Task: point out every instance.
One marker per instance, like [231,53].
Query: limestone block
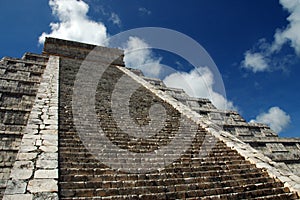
[42,185]
[46,196]
[23,165]
[51,132]
[38,142]
[27,142]
[46,164]
[27,148]
[26,156]
[48,156]
[18,197]
[50,149]
[21,174]
[50,142]
[15,187]
[46,173]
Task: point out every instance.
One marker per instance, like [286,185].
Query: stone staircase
[205,162]
[19,81]
[222,174]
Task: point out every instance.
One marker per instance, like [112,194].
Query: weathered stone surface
[50,142]
[26,156]
[48,156]
[15,187]
[46,164]
[38,143]
[45,196]
[18,197]
[28,148]
[42,185]
[46,174]
[21,174]
[23,165]
[49,149]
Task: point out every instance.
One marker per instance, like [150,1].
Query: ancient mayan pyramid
[44,157]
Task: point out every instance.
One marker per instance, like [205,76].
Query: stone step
[28,80]
[163,178]
[20,108]
[196,166]
[288,195]
[86,158]
[183,191]
[79,148]
[19,91]
[66,152]
[199,182]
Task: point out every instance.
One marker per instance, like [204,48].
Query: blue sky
[254,43]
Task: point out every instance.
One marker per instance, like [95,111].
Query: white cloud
[139,56]
[115,19]
[276,118]
[265,57]
[144,11]
[74,23]
[255,62]
[291,33]
[199,83]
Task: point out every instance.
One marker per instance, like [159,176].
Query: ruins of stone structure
[43,156]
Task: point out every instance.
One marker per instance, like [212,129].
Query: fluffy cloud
[263,59]
[139,56]
[199,83]
[74,23]
[291,33]
[276,118]
[255,62]
[115,19]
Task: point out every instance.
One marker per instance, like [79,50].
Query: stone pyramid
[77,124]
